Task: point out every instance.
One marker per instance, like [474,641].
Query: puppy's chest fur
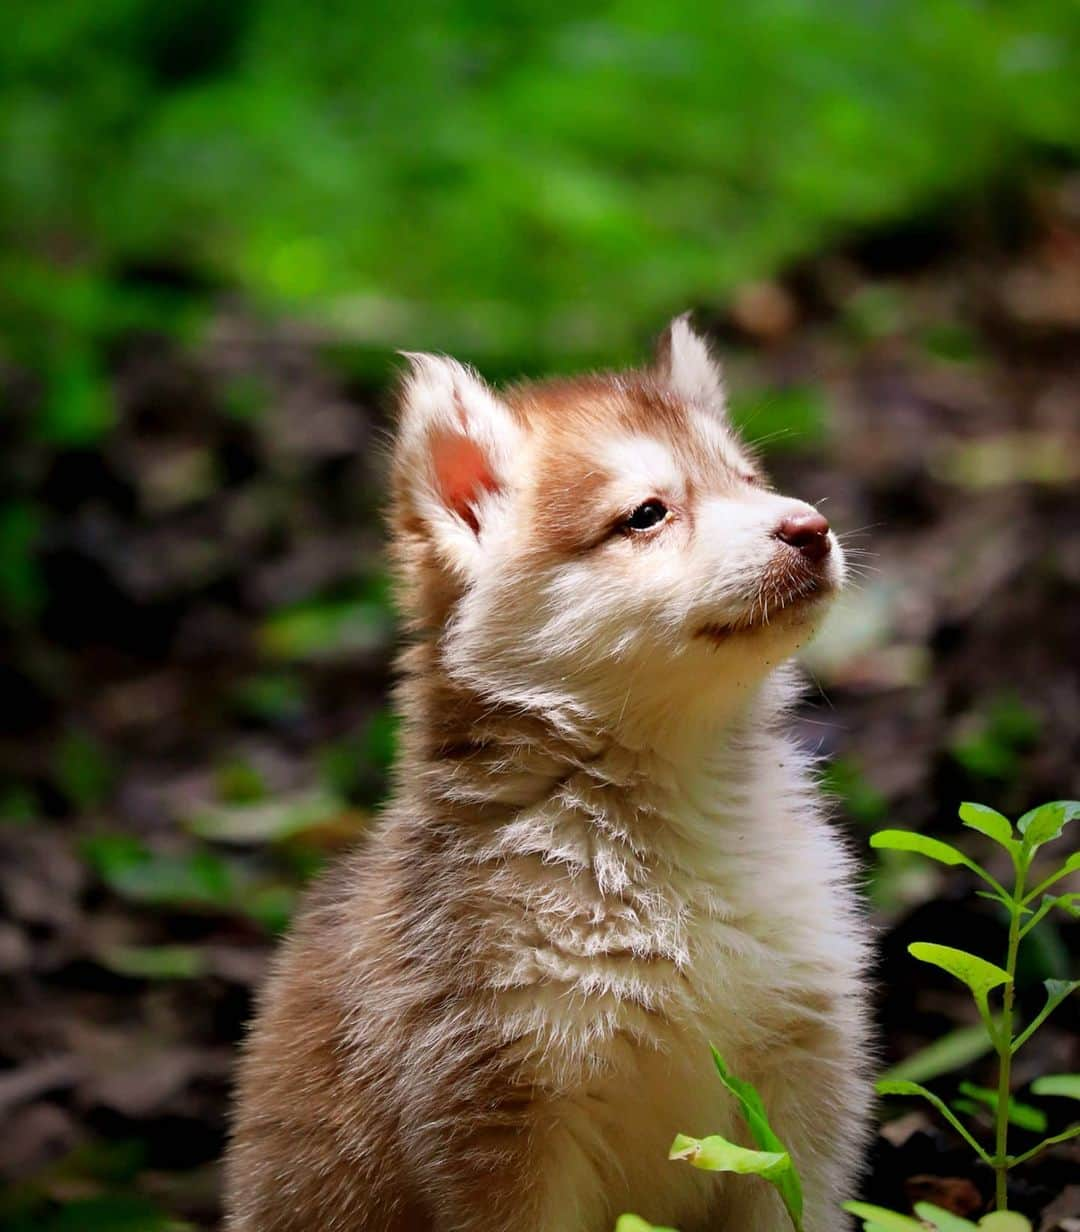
[627,922]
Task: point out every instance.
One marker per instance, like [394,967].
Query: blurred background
[218,221]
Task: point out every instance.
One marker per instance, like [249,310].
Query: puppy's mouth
[777,601]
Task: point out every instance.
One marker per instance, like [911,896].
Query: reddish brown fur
[572,511]
[382,1089]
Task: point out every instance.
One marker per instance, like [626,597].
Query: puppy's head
[603,548]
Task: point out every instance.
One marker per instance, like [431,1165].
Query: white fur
[691,371]
[441,394]
[692,906]
[680,887]
[627,858]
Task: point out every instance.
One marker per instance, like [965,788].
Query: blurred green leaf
[100,1214]
[951,1051]
[155,962]
[239,782]
[197,878]
[777,420]
[989,744]
[272,820]
[326,630]
[270,696]
[21,587]
[381,739]
[78,409]
[1023,1116]
[82,769]
[1063,1086]
[245,398]
[952,341]
[18,806]
[271,906]
[246,147]
[862,800]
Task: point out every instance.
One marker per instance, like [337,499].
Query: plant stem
[1004,1047]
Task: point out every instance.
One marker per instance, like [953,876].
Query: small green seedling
[770,1161]
[1025,908]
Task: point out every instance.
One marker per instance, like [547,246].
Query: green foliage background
[534,185]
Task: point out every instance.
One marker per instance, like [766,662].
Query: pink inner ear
[462,473]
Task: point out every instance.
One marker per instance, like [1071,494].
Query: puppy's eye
[652,513]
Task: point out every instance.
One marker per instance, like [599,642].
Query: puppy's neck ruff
[461,743]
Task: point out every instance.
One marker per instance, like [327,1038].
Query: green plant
[772,1161]
[1025,907]
[879,1219]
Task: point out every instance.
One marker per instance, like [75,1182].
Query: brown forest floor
[197,716]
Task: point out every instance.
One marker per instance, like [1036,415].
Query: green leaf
[1065,1086]
[634,1223]
[934,849]
[83,770]
[978,974]
[967,1106]
[877,1217]
[763,1134]
[942,1220]
[1023,1116]
[1004,1221]
[908,840]
[952,1051]
[782,418]
[988,821]
[22,589]
[717,1154]
[327,630]
[264,821]
[197,878]
[111,1213]
[753,1107]
[1045,823]
[155,962]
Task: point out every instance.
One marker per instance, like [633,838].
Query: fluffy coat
[602,850]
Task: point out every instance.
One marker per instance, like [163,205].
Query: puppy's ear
[455,445]
[686,366]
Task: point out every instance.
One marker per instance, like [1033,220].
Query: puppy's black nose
[809,532]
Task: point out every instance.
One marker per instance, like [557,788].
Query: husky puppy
[602,850]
